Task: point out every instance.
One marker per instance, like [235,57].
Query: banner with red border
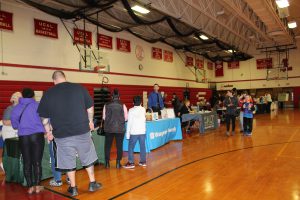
[79,37]
[156,53]
[168,56]
[45,28]
[264,63]
[105,41]
[6,20]
[123,45]
[233,65]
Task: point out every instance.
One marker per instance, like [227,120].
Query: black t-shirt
[184,110]
[66,105]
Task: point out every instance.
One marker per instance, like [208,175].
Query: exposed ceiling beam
[246,14]
[202,15]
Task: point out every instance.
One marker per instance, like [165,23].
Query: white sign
[162,133]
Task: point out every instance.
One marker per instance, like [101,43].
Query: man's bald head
[58,77]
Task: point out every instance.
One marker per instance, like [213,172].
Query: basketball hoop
[100,69]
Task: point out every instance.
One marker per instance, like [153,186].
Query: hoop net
[100,69]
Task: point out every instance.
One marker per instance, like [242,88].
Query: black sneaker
[94,186]
[73,191]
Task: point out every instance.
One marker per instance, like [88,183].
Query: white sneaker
[143,164]
[54,183]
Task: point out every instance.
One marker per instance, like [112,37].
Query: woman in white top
[7,129]
[136,131]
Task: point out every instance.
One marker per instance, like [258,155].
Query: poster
[219,70]
[199,63]
[168,56]
[104,41]
[210,65]
[123,45]
[45,28]
[79,37]
[156,53]
[264,63]
[6,20]
[234,65]
[189,61]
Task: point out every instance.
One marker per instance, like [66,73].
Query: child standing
[248,108]
[241,102]
[136,131]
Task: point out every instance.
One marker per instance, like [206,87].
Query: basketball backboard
[200,75]
[277,73]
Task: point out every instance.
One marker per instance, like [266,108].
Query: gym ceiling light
[140,9]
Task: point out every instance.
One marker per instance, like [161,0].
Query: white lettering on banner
[162,133]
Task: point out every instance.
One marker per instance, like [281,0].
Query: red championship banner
[156,53]
[168,56]
[219,70]
[265,63]
[6,20]
[44,28]
[123,45]
[199,63]
[210,65]
[189,61]
[79,36]
[233,65]
[104,41]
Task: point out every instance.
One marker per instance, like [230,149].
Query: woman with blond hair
[7,129]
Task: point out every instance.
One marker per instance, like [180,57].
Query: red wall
[126,91]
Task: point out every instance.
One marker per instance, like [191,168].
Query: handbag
[100,130]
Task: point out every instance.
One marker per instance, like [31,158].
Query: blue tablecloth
[158,133]
[208,121]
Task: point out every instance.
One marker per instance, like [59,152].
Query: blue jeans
[132,141]
[56,174]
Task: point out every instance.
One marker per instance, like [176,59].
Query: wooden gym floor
[211,166]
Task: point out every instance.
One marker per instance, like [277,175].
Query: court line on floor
[285,145]
[284,156]
[59,193]
[192,162]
